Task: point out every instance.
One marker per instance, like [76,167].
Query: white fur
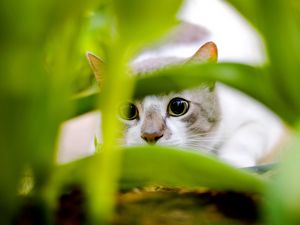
[252,131]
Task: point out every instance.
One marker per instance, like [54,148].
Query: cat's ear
[206,53]
[97,66]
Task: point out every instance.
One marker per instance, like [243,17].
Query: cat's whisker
[208,136]
[200,142]
[209,133]
[216,137]
[205,142]
[199,146]
[213,139]
[173,144]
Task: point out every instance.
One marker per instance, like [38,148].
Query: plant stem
[106,166]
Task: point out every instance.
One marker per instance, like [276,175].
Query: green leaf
[85,102]
[282,42]
[178,78]
[250,9]
[285,191]
[167,166]
[142,21]
[172,167]
[283,45]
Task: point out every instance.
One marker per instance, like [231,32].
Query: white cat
[214,119]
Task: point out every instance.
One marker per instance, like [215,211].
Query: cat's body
[248,133]
[216,120]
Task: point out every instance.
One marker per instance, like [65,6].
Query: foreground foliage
[43,67]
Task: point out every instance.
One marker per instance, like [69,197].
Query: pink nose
[151,138]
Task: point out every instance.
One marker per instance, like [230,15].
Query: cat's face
[183,119]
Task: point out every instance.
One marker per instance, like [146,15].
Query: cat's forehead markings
[151,101]
[153,104]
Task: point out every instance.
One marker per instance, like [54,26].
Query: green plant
[42,62]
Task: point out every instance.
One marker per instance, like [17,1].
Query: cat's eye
[128,111]
[178,107]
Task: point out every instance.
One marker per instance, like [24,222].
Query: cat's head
[186,119]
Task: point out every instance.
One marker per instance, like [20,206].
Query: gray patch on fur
[204,112]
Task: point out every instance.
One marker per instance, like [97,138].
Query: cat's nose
[152,138]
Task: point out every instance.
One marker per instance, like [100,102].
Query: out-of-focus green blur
[42,48]
[42,58]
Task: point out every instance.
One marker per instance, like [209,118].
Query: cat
[214,119]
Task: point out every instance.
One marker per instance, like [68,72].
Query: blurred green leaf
[38,48]
[144,165]
[285,192]
[172,167]
[142,21]
[282,43]
[178,78]
[250,9]
[85,102]
[283,52]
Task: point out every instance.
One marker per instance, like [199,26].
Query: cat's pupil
[178,107]
[128,111]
